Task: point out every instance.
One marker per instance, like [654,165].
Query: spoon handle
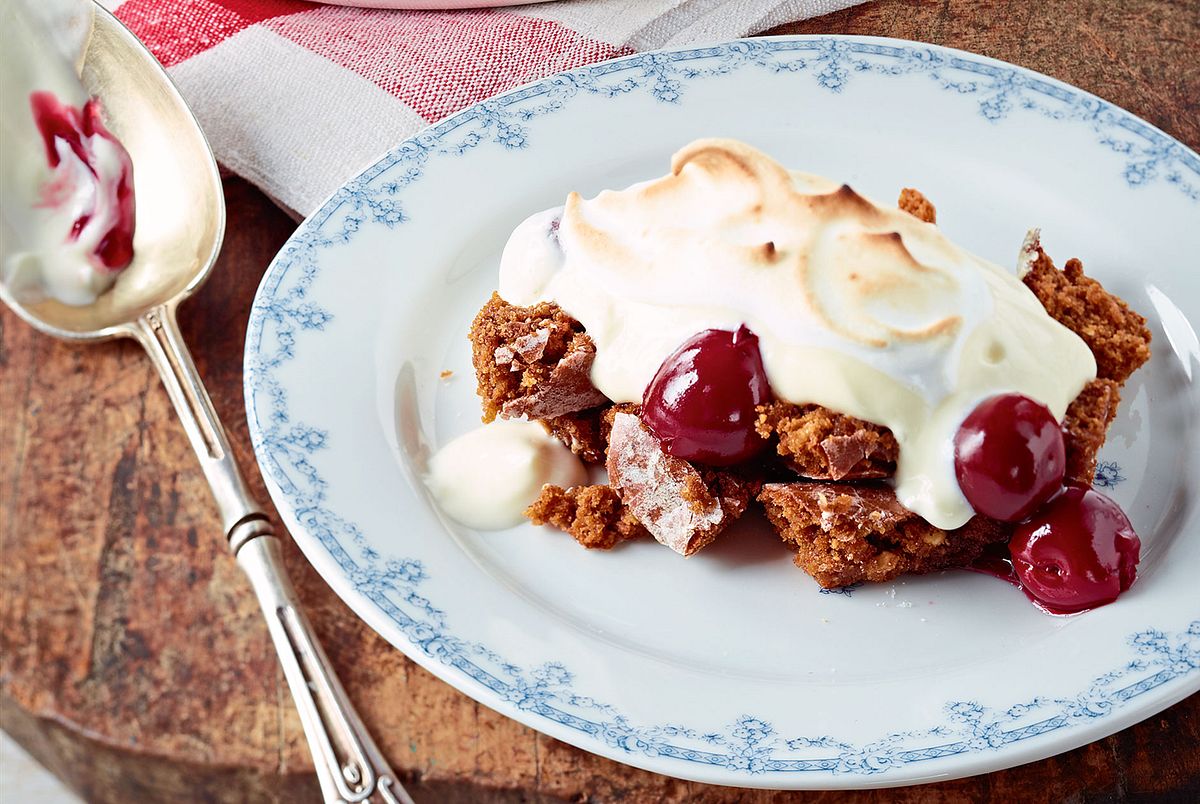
[349,766]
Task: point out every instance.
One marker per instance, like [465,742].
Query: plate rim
[369,611]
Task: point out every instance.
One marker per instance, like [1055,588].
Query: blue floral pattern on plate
[844,591]
[283,317]
[1108,474]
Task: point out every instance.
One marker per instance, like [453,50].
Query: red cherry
[1009,457]
[1077,553]
[701,402]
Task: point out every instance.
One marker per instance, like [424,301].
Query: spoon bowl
[180,212]
[180,205]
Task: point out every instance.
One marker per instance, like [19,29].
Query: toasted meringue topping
[858,307]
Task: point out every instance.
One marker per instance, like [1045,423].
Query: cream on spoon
[68,217]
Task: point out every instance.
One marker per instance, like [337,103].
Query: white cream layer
[486,478]
[859,307]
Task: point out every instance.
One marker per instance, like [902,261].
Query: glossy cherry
[701,402]
[1009,457]
[1076,553]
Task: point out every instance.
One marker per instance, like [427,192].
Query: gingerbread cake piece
[1085,427]
[821,445]
[568,389]
[583,432]
[680,505]
[531,361]
[824,445]
[849,533]
[586,432]
[595,516]
[1117,336]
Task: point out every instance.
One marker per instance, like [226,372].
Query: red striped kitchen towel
[297,97]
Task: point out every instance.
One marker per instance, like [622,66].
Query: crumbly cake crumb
[917,205]
[595,516]
[824,445]
[1117,336]
[849,533]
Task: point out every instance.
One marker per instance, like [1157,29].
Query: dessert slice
[849,532]
[531,362]
[534,362]
[846,534]
[721,302]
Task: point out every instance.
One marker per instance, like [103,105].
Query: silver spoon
[180,223]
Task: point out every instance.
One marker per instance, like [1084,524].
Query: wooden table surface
[133,661]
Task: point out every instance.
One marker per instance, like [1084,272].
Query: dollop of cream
[486,478]
[859,307]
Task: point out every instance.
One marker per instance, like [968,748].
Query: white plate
[732,667]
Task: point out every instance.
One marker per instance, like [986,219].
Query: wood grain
[133,661]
